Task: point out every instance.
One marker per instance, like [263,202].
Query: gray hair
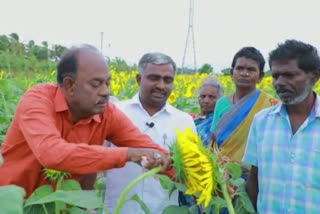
[155,58]
[214,82]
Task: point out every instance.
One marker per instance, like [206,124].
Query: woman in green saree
[234,113]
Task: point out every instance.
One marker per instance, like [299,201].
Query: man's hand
[152,158]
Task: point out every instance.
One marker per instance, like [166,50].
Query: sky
[132,28]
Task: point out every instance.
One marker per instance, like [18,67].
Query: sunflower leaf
[237,182]
[173,209]
[167,184]
[11,199]
[217,204]
[181,187]
[172,189]
[38,194]
[70,185]
[234,169]
[243,203]
[165,181]
[77,210]
[81,198]
[143,206]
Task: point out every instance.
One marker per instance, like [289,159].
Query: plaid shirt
[289,165]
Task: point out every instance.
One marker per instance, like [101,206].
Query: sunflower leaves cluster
[207,174]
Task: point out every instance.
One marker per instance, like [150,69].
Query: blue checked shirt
[288,165]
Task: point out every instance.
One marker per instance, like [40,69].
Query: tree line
[16,56]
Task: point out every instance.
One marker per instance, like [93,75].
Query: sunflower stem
[227,198]
[59,183]
[131,185]
[105,210]
[45,209]
[58,187]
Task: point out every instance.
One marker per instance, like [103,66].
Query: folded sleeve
[38,126]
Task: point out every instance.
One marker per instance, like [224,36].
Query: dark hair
[68,65]
[251,53]
[305,54]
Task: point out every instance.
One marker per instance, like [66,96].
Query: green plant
[11,198]
[205,175]
[68,196]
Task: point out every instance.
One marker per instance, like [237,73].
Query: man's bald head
[84,78]
[70,61]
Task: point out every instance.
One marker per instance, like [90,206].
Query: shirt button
[292,157]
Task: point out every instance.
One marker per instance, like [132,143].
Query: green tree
[205,68]
[4,43]
[41,52]
[16,56]
[226,71]
[120,64]
[15,46]
[57,52]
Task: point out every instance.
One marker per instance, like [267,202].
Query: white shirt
[162,132]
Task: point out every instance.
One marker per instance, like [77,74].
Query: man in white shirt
[154,116]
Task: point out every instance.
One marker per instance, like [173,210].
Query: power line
[101,43]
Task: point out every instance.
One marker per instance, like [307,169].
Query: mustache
[283,90]
[103,100]
[159,91]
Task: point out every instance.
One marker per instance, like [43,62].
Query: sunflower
[172,98]
[194,166]
[54,175]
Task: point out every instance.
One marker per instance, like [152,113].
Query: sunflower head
[194,165]
[54,175]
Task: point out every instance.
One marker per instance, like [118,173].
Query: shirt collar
[60,104]
[135,100]
[60,101]
[280,108]
[277,109]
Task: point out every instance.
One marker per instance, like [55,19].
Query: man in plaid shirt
[284,141]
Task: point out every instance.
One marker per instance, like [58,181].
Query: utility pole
[101,45]
[190,34]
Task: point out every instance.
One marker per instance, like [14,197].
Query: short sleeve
[250,155]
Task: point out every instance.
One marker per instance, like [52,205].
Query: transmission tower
[190,35]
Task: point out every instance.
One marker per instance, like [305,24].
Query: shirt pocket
[309,167]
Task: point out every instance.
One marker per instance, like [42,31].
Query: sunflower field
[123,86]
